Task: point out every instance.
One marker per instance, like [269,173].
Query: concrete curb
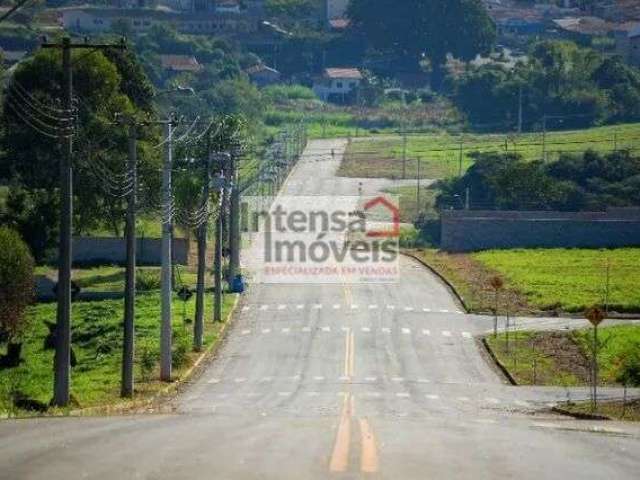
[171,389]
[504,370]
[442,278]
[579,415]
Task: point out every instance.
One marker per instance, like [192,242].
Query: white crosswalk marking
[403,395]
[444,311]
[282,307]
[426,310]
[300,307]
[406,331]
[386,330]
[266,330]
[286,330]
[266,379]
[264,307]
[408,309]
[336,307]
[463,399]
[424,380]
[240,380]
[213,380]
[355,307]
[391,307]
[446,333]
[306,329]
[467,335]
[397,379]
[246,332]
[318,379]
[284,394]
[246,308]
[373,307]
[317,306]
[432,397]
[522,403]
[426,332]
[326,329]
[370,379]
[366,329]
[492,400]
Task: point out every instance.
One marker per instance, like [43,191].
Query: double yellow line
[369,462]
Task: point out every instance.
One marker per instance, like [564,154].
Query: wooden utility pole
[62,367]
[595,315]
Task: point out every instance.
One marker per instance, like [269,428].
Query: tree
[415,29]
[16,292]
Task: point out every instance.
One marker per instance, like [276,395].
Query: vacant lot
[544,280]
[570,280]
[97,344]
[444,155]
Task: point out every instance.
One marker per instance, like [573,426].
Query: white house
[337,83]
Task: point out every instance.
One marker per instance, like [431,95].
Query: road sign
[595,315]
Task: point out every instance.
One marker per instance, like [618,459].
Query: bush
[147,361]
[16,284]
[147,280]
[628,367]
[285,93]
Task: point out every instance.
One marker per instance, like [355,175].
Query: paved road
[337,381]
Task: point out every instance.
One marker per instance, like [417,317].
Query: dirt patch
[566,354]
[472,280]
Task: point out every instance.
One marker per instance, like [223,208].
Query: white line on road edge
[432,397]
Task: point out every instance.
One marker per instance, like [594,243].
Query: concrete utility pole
[198,325]
[128,346]
[62,367]
[217,261]
[234,220]
[165,274]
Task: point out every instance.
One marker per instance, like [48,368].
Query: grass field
[444,155]
[408,197]
[97,341]
[570,280]
[563,358]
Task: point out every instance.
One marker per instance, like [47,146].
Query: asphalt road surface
[337,381]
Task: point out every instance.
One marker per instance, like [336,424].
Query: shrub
[285,93]
[147,362]
[147,280]
[628,366]
[16,284]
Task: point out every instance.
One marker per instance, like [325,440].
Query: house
[140,20]
[262,76]
[338,84]
[634,46]
[628,43]
[180,63]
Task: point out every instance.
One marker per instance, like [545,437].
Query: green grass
[444,155]
[563,358]
[570,279]
[408,197]
[97,341]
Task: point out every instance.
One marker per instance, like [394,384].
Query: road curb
[442,278]
[579,415]
[504,370]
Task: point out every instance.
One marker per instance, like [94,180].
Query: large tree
[416,29]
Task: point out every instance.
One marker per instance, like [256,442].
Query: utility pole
[467,198]
[217,261]
[62,358]
[520,110]
[130,273]
[234,217]
[418,189]
[404,151]
[198,324]
[165,274]
[544,138]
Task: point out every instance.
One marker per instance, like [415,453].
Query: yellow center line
[340,457]
[369,462]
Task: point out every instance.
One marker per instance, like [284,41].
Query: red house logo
[395,218]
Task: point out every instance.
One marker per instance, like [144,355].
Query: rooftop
[350,73]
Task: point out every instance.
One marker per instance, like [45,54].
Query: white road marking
[214,380]
[355,307]
[240,380]
[397,379]
[373,307]
[266,379]
[424,380]
[266,330]
[386,330]
[370,379]
[326,329]
[246,308]
[403,395]
[446,333]
[246,332]
[426,332]
[282,307]
[318,378]
[264,307]
[337,307]
[366,329]
[343,379]
[426,310]
[313,394]
[286,330]
[492,400]
[373,394]
[444,311]
[391,307]
[408,309]
[463,399]
[317,306]
[300,307]
[432,397]
[467,335]
[306,329]
[284,394]
[522,403]
[406,331]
